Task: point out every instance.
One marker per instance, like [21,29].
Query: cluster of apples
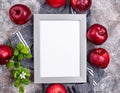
[19,14]
[98,57]
[78,5]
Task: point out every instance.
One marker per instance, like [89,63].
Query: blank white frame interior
[59,48]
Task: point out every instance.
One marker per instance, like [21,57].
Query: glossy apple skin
[99,58]
[56,3]
[81,5]
[56,88]
[20,14]
[97,34]
[5,54]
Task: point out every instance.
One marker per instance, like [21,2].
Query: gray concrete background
[105,12]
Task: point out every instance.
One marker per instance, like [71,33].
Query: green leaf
[17,83]
[9,43]
[25,81]
[25,50]
[12,57]
[20,69]
[28,55]
[13,71]
[20,46]
[17,64]
[21,89]
[10,65]
[16,74]
[16,52]
[27,72]
[20,57]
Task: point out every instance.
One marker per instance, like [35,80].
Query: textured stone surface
[105,12]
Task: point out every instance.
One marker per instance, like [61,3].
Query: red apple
[56,88]
[56,3]
[81,5]
[97,34]
[99,58]
[20,14]
[5,54]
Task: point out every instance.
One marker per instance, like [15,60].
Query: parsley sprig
[20,73]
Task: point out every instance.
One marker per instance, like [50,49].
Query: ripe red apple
[81,5]
[99,58]
[56,88]
[5,54]
[20,14]
[97,34]
[56,3]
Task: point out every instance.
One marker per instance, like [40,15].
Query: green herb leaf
[25,50]
[16,74]
[21,89]
[17,64]
[17,83]
[20,57]
[20,73]
[25,81]
[13,71]
[9,43]
[10,65]
[28,55]
[27,72]
[20,69]
[20,46]
[16,52]
[12,57]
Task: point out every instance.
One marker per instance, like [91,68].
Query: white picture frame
[60,48]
